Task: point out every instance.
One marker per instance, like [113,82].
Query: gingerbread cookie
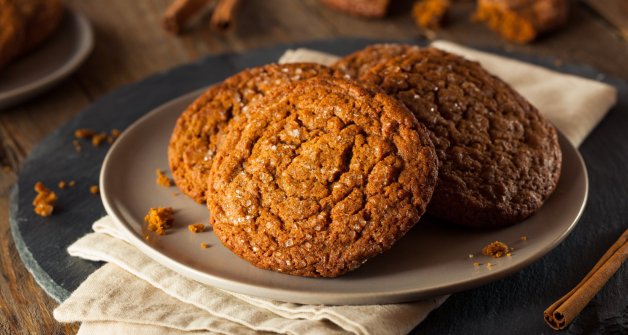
[12,30]
[196,135]
[42,18]
[358,63]
[25,24]
[499,159]
[319,177]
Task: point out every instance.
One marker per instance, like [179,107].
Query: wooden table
[130,45]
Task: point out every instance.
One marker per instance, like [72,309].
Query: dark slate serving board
[513,305]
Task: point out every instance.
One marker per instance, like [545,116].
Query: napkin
[132,294]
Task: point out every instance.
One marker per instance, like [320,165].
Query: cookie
[12,32]
[42,19]
[358,63]
[25,24]
[319,177]
[196,135]
[499,159]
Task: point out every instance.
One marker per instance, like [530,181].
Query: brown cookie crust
[197,132]
[499,159]
[360,62]
[319,177]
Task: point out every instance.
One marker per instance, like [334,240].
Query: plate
[432,259]
[52,61]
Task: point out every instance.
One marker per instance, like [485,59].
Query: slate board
[512,305]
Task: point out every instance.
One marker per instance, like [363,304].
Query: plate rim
[308,297]
[85,45]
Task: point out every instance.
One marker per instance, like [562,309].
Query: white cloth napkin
[132,294]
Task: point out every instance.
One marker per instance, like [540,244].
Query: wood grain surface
[130,44]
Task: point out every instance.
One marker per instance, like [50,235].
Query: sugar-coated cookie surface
[320,176]
[358,63]
[499,159]
[197,133]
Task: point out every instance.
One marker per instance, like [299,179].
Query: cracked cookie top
[198,130]
[499,159]
[358,63]
[320,176]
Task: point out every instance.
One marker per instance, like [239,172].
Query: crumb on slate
[44,201]
[97,139]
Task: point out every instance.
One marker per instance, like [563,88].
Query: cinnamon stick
[223,16]
[178,14]
[562,312]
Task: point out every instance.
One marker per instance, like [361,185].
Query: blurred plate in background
[49,63]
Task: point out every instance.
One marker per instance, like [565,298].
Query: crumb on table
[72,183]
[159,219]
[196,228]
[496,249]
[523,238]
[62,184]
[162,179]
[204,245]
[94,189]
[44,201]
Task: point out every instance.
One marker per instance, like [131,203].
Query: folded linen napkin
[132,294]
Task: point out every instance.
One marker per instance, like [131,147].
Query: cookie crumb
[476,264]
[196,228]
[97,139]
[44,201]
[162,179]
[159,219]
[523,238]
[77,146]
[496,249]
[204,245]
[471,255]
[115,133]
[72,183]
[94,189]
[489,265]
[83,133]
[61,184]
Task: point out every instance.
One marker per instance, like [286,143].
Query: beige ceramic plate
[430,260]
[54,60]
